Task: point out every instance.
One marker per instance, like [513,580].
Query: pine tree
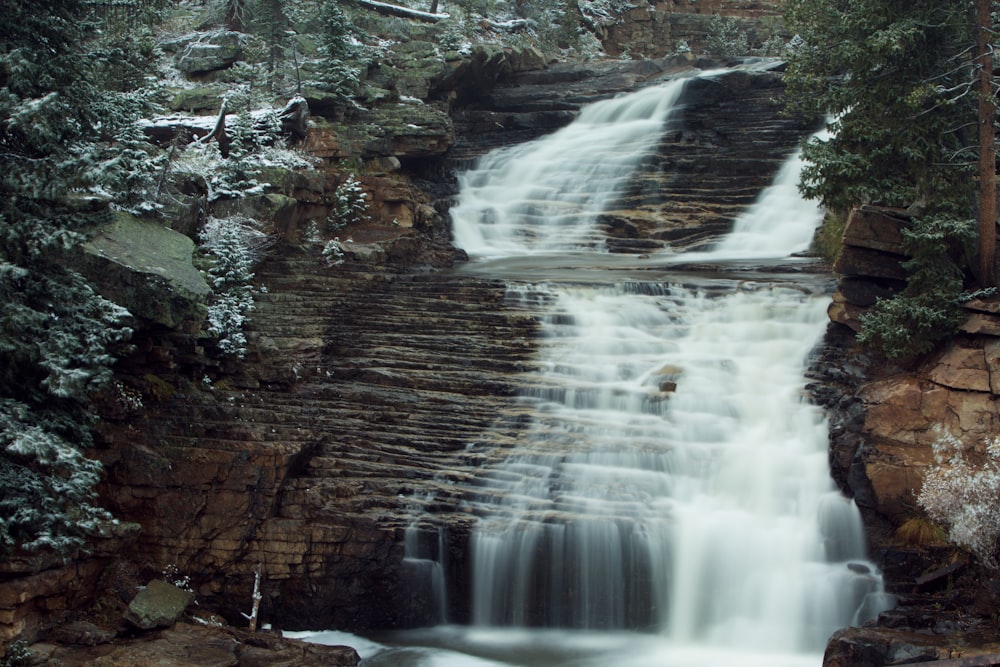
[55,331]
[900,83]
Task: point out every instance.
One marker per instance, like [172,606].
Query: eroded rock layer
[365,380]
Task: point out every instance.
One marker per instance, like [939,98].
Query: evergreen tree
[337,75]
[55,331]
[899,81]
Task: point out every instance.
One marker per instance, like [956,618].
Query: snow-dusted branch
[403,12]
[163,130]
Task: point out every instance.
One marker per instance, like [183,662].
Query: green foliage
[236,244]
[893,77]
[929,309]
[727,37]
[828,238]
[17,654]
[337,73]
[349,205]
[897,79]
[56,333]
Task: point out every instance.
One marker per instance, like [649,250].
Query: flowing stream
[670,503]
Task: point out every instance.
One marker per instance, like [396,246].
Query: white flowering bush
[237,244]
[965,497]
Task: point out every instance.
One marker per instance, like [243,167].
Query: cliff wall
[366,377]
[885,421]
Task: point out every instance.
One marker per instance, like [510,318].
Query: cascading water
[544,196]
[671,494]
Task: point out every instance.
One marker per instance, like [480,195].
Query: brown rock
[962,368]
[854,261]
[843,312]
[982,324]
[876,229]
[991,351]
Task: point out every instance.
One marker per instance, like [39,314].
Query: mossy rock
[146,268]
[197,100]
[208,54]
[275,211]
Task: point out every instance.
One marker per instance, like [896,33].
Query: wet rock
[862,647]
[187,645]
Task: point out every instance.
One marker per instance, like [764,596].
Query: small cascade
[544,196]
[423,550]
[780,223]
[674,477]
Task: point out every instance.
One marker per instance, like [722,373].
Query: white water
[779,224]
[670,503]
[545,195]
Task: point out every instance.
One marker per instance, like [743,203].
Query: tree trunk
[236,15]
[987,148]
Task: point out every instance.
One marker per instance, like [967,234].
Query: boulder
[158,605]
[876,228]
[209,52]
[147,269]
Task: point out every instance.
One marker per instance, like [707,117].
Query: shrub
[237,245]
[965,497]
[921,531]
[726,37]
[349,205]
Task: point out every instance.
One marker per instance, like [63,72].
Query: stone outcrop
[38,590]
[865,647]
[869,263]
[148,269]
[884,421]
[658,27]
[903,413]
[189,645]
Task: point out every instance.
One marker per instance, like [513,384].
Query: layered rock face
[658,27]
[366,379]
[885,421]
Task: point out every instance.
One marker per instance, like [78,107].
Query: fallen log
[940,573]
[402,12]
[164,130]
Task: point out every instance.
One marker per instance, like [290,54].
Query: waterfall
[545,195]
[780,223]
[671,493]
